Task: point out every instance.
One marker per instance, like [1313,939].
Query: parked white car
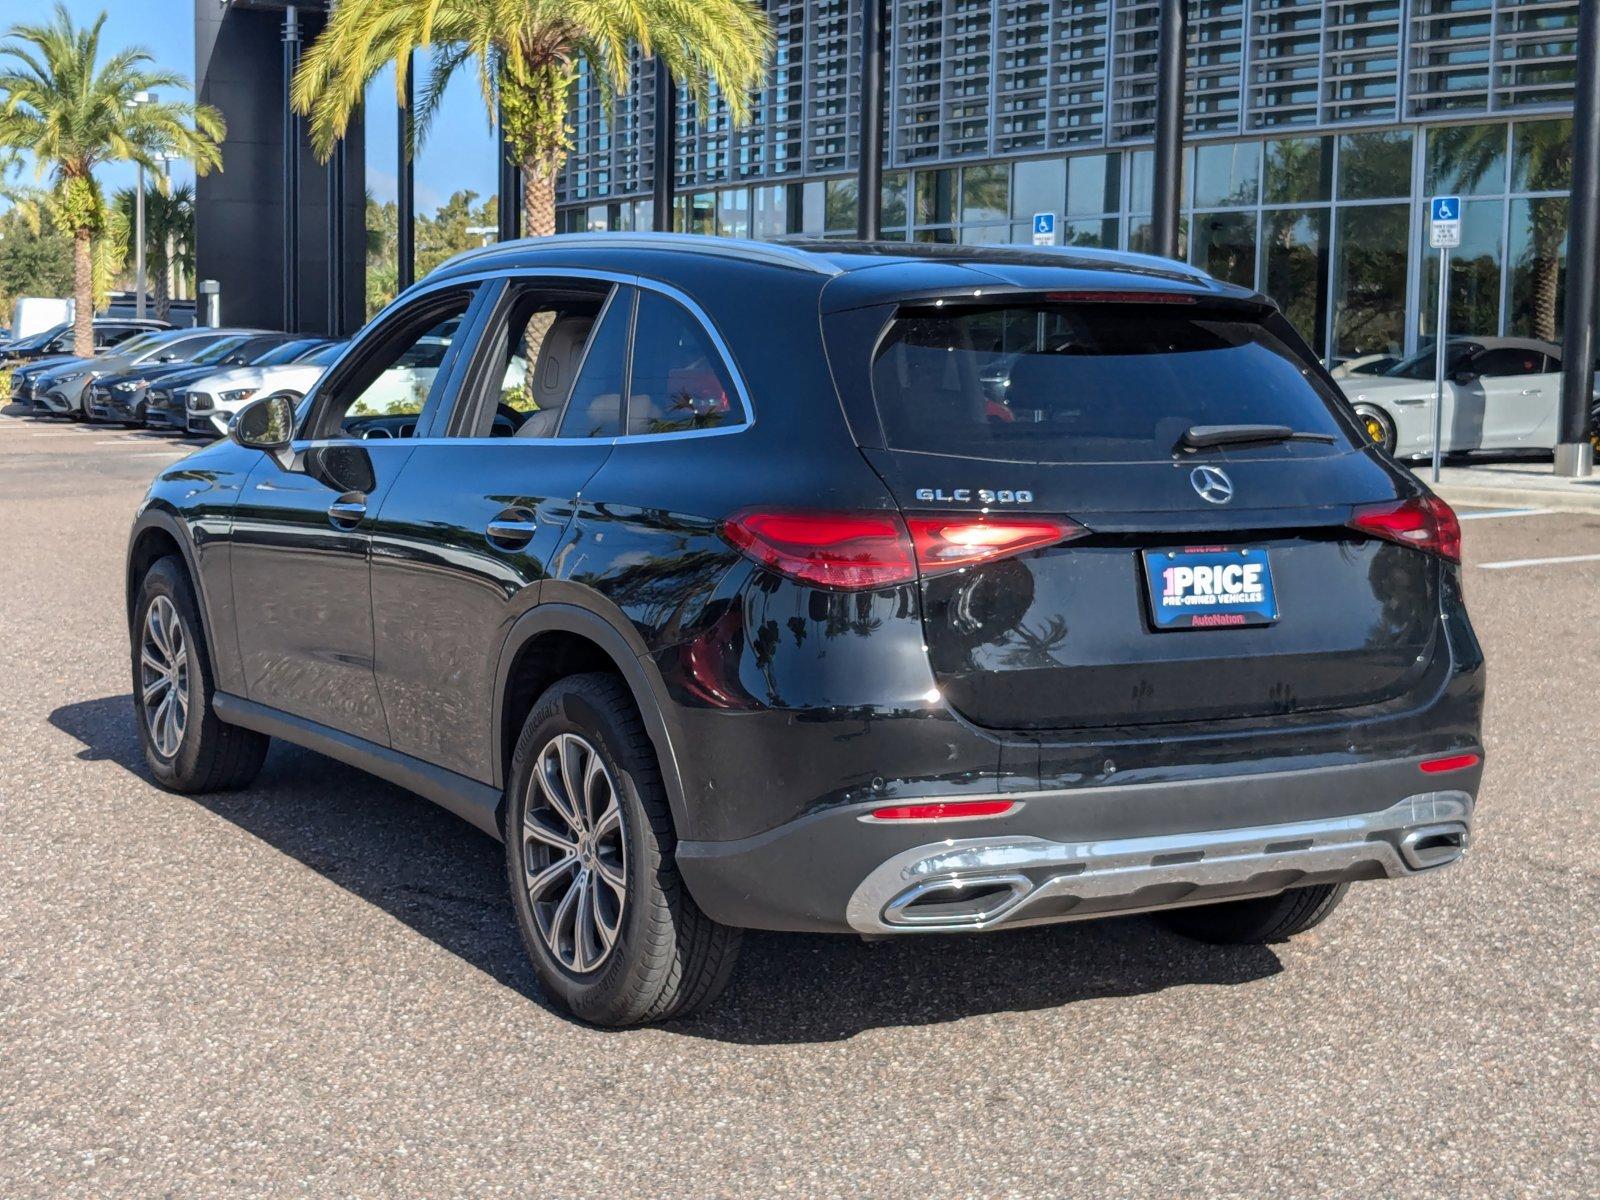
[209,404]
[1499,394]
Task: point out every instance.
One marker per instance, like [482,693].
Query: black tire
[1378,425]
[666,957]
[209,756]
[1258,921]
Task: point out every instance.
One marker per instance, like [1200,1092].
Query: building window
[1227,175]
[1538,267]
[1465,160]
[1474,274]
[1369,284]
[1541,156]
[1375,166]
[892,214]
[840,206]
[1294,269]
[934,195]
[769,212]
[1038,186]
[1298,170]
[1094,184]
[733,213]
[985,193]
[1224,246]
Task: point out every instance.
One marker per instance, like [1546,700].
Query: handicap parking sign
[1444,222]
[1044,229]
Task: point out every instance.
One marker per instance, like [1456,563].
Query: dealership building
[1314,134]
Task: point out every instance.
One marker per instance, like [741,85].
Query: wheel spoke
[562,918]
[541,881]
[535,830]
[609,821]
[150,662]
[585,939]
[153,688]
[607,933]
[612,874]
[594,771]
[564,752]
[556,803]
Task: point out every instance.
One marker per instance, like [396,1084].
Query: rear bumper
[1090,852]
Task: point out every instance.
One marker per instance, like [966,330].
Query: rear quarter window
[1109,382]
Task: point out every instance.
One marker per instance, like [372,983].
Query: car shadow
[447,882]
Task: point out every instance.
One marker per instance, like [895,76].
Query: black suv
[881,589]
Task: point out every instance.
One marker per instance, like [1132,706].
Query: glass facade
[1315,132]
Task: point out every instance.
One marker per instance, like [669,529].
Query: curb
[1558,499]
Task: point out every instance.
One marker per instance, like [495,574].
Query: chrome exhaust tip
[957,901]
[1433,846]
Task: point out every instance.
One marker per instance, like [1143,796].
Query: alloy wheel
[574,854]
[164,676]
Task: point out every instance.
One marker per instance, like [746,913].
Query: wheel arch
[577,640]
[158,534]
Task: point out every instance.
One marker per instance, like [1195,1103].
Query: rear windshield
[1078,383]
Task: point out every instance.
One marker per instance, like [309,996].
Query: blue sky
[459,152]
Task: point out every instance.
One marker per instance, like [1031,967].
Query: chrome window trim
[513,274]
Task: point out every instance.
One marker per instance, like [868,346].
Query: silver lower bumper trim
[989,882]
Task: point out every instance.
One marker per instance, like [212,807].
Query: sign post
[1444,233]
[1044,229]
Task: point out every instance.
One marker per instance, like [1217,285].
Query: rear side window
[1077,383]
[679,380]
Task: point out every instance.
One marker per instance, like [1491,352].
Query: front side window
[1507,360]
[1081,383]
[390,386]
[679,381]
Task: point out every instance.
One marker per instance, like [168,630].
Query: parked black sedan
[121,397]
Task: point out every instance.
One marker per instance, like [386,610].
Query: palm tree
[528,54]
[168,236]
[72,113]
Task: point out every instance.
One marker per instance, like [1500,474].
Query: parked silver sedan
[1501,393]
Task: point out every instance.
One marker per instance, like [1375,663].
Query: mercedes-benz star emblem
[1212,483]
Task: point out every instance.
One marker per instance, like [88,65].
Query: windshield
[135,344]
[35,341]
[326,355]
[1081,383]
[217,352]
[287,352]
[1421,364]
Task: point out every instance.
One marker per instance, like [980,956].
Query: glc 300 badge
[968,495]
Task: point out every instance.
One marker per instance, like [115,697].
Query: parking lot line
[1503,512]
[1539,562]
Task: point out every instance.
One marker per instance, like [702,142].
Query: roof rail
[770,253]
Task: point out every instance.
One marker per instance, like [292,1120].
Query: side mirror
[265,424]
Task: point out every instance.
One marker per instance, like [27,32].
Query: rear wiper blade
[1199,437]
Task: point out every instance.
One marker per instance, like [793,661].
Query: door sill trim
[476,803]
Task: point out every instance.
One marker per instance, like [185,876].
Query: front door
[303,528]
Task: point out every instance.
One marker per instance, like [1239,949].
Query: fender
[626,649]
[154,516]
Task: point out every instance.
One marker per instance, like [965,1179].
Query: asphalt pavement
[313,987]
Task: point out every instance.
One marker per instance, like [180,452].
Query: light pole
[140,99]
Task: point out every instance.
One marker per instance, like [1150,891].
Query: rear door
[996,415]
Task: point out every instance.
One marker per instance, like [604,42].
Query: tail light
[856,551]
[1423,522]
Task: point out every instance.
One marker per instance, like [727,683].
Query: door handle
[347,511]
[1533,391]
[511,530]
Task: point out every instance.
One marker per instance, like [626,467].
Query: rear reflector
[1423,522]
[1454,762]
[943,810]
[852,551]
